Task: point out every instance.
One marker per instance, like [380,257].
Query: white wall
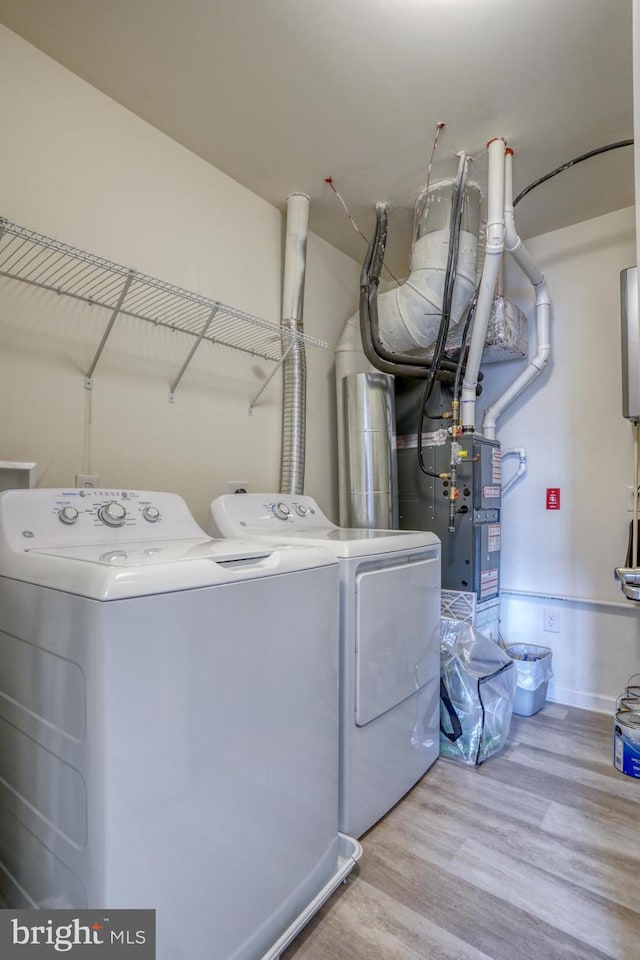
[571,425]
[79,167]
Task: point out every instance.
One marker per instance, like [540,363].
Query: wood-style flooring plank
[599,802]
[562,904]
[601,835]
[365,922]
[476,916]
[535,855]
[597,865]
[589,773]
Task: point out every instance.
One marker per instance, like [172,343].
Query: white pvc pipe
[491,269]
[513,245]
[521,453]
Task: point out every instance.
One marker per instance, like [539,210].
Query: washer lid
[161,551]
[118,571]
[147,544]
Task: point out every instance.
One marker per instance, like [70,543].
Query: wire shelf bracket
[271,376]
[52,265]
[88,380]
[190,355]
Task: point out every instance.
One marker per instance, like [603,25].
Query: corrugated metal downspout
[295,366]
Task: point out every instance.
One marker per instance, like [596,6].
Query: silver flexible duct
[294,370]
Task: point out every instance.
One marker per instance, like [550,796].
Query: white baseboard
[579,698]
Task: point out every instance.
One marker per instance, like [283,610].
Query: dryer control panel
[43,518]
[277,513]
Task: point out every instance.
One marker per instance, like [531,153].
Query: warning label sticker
[494,537]
[491,493]
[496,466]
[488,582]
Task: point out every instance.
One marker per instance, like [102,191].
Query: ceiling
[280,94]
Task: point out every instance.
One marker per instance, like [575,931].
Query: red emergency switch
[553,498]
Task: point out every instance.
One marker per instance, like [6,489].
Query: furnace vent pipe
[490,272]
[294,370]
[514,246]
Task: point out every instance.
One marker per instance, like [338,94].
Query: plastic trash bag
[533,664]
[477,689]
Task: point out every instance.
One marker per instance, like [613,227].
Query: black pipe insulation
[471,311]
[455,223]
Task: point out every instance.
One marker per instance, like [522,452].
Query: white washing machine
[389,643]
[168,734]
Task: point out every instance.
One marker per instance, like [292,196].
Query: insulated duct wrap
[506,337]
[294,369]
[367,451]
[409,315]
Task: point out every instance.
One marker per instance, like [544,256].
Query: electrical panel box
[630,343]
[471,553]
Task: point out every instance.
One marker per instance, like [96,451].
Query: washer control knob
[68,515]
[301,510]
[113,514]
[281,511]
[151,514]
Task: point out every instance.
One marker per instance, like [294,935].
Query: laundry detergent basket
[477,690]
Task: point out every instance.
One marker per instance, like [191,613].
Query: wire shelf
[49,264]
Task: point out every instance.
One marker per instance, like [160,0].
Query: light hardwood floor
[535,855]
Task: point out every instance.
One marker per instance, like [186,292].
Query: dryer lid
[299,519]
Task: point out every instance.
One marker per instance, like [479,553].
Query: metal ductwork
[368,473]
[294,369]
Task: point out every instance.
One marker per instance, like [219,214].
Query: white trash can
[533,666]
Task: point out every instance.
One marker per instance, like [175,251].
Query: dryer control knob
[301,510]
[113,514]
[68,515]
[151,514]
[281,511]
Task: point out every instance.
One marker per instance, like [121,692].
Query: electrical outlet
[237,486]
[87,480]
[630,497]
[551,623]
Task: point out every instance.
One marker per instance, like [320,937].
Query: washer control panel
[236,514]
[42,518]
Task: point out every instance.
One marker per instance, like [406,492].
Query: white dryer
[389,644]
[168,734]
